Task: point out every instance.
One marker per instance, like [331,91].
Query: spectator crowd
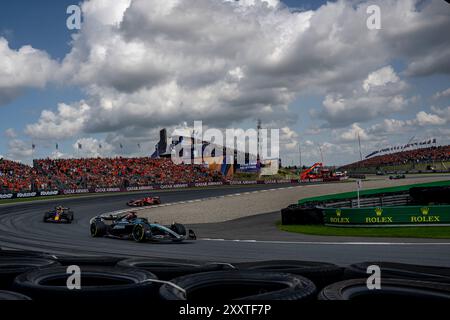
[52,174]
[425,155]
[58,174]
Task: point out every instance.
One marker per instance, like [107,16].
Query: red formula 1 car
[147,201]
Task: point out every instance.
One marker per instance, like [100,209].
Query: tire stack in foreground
[34,276]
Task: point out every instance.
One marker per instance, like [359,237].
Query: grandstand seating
[410,157]
[51,174]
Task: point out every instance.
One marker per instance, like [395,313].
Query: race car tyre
[391,289]
[9,295]
[96,283]
[238,285]
[400,271]
[191,235]
[138,233]
[178,228]
[166,269]
[47,216]
[321,273]
[88,260]
[11,267]
[98,229]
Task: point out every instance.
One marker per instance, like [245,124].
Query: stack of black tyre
[34,276]
[430,195]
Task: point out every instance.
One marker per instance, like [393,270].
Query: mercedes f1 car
[59,215]
[397,177]
[130,226]
[147,201]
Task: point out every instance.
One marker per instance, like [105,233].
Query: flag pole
[359,143]
[300,154]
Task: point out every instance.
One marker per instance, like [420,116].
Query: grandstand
[57,174]
[418,160]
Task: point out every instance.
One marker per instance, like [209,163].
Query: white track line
[337,243]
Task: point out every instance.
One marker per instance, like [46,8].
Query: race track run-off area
[230,236]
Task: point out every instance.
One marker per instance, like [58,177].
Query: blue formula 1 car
[59,215]
[130,226]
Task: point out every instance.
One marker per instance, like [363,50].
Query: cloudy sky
[311,68]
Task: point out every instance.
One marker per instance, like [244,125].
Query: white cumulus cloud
[21,69]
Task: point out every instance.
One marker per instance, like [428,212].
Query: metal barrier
[387,201]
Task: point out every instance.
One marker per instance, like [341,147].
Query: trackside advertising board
[388,216]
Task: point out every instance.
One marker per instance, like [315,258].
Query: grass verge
[393,232]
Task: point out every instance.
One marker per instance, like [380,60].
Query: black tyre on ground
[98,283]
[238,285]
[301,214]
[167,269]
[178,228]
[9,295]
[11,267]
[321,273]
[391,290]
[400,271]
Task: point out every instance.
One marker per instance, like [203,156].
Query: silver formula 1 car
[130,226]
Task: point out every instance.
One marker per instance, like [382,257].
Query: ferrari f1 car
[147,201]
[59,215]
[130,226]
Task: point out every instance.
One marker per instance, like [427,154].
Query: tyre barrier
[24,254]
[391,290]
[428,195]
[11,267]
[10,296]
[320,273]
[97,282]
[300,214]
[166,269]
[88,260]
[400,271]
[140,279]
[238,285]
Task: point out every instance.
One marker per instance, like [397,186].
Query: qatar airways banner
[5,196]
[74,191]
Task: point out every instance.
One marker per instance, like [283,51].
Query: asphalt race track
[247,239]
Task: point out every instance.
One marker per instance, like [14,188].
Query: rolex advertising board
[388,216]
